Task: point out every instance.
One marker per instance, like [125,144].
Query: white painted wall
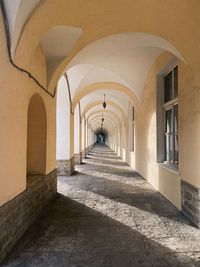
[62,121]
[77,125]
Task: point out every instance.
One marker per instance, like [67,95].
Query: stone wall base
[87,150]
[83,154]
[65,167]
[17,215]
[190,202]
[78,158]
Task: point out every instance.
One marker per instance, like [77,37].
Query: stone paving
[108,215]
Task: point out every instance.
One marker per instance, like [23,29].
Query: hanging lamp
[102,118]
[104,103]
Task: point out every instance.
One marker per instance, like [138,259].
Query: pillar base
[87,150]
[65,167]
[78,158]
[17,215]
[190,202]
[83,154]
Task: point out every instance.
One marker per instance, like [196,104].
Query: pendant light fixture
[104,103]
[102,118]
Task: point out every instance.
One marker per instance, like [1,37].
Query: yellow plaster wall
[16,89]
[166,181]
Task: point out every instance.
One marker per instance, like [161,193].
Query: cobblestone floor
[107,215]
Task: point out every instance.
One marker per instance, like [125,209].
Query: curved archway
[102,86]
[127,46]
[113,115]
[97,103]
[36,136]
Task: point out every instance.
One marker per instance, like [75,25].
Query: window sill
[169,167]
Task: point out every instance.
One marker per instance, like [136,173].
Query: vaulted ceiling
[100,53]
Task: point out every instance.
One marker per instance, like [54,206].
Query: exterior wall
[166,181]
[16,91]
[17,215]
[65,167]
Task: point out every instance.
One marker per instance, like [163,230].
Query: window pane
[176,134]
[176,119]
[169,147]
[168,87]
[169,135]
[176,149]
[169,121]
[176,81]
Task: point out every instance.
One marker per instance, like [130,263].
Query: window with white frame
[170,107]
[167,116]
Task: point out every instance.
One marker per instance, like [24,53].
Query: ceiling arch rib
[108,108]
[111,114]
[102,86]
[99,121]
[99,103]
[128,56]
[107,118]
[92,74]
[121,99]
[101,49]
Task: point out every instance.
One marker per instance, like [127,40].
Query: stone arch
[36,136]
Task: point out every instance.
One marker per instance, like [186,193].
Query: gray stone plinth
[78,158]
[65,167]
[87,150]
[83,154]
[17,215]
[190,202]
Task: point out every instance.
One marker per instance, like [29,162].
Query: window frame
[170,105]
[161,109]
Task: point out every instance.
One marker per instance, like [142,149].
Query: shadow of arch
[36,136]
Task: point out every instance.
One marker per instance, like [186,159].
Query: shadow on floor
[71,234]
[136,192]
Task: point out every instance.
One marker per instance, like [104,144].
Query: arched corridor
[99,136]
[106,214]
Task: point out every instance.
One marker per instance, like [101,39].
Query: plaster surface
[108,215]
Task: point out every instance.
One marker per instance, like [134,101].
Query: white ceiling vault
[18,12]
[123,59]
